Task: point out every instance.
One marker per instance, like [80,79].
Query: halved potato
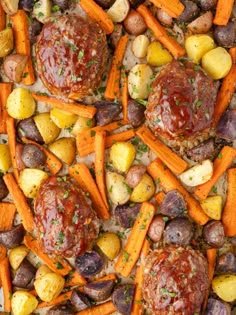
[17,255]
[118,11]
[140,45]
[197,45]
[109,244]
[122,155]
[139,81]
[42,271]
[225,287]
[42,10]
[5,157]
[6,42]
[47,128]
[14,66]
[62,118]
[213,206]
[157,55]
[144,190]
[118,190]
[30,180]
[82,124]
[10,6]
[23,303]
[64,149]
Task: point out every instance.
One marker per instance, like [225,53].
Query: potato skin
[144,190]
[47,128]
[23,303]
[30,180]
[6,42]
[64,149]
[109,244]
[14,66]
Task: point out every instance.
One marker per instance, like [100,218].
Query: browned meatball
[65,223]
[181,103]
[71,55]
[175,281]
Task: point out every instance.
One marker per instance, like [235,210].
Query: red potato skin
[14,67]
[156,228]
[134,23]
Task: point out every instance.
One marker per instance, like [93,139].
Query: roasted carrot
[131,252]
[113,83]
[96,13]
[171,159]
[5,90]
[101,309]
[20,202]
[22,44]
[223,12]
[2,18]
[173,8]
[227,89]
[124,95]
[75,108]
[168,182]
[60,299]
[11,131]
[99,164]
[74,279]
[138,308]
[5,277]
[110,276]
[159,197]
[52,162]
[229,212]
[221,163]
[160,33]
[82,175]
[58,264]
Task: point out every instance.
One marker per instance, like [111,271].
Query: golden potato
[42,271]
[144,190]
[217,63]
[42,11]
[213,206]
[225,287]
[23,303]
[157,55]
[82,124]
[62,118]
[5,157]
[122,155]
[139,81]
[17,255]
[118,190]
[109,244]
[47,128]
[140,45]
[64,149]
[30,180]
[6,42]
[20,104]
[197,45]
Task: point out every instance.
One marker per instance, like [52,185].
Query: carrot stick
[5,90]
[99,147]
[22,44]
[101,309]
[60,299]
[137,308]
[227,89]
[221,163]
[160,33]
[52,162]
[171,159]
[20,202]
[124,95]
[82,175]
[168,182]
[223,12]
[96,13]
[75,108]
[173,8]
[58,265]
[110,276]
[113,83]
[229,213]
[5,277]
[2,18]
[159,197]
[7,214]
[11,131]
[74,279]
[131,252]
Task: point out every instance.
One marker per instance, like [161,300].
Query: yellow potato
[82,124]
[64,149]
[42,10]
[30,180]
[23,303]
[118,190]
[122,155]
[17,255]
[42,271]
[6,42]
[47,128]
[144,190]
[20,104]
[140,45]
[213,206]
[62,118]
[217,63]
[109,244]
[49,286]
[5,158]
[157,55]
[139,81]
[225,287]
[197,45]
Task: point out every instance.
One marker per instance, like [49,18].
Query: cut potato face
[225,287]
[10,6]
[5,158]
[122,155]
[42,271]
[144,190]
[6,42]
[23,303]
[139,81]
[118,11]
[42,10]
[47,128]
[197,45]
[14,66]
[140,45]
[64,149]
[213,206]
[118,190]
[109,244]
[82,124]
[62,118]
[17,255]
[30,180]
[157,55]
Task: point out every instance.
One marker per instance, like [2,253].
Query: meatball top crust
[71,55]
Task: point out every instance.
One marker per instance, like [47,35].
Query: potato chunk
[213,206]
[17,255]
[118,190]
[64,149]
[109,244]
[30,180]
[122,155]
[23,303]
[140,45]
[5,158]
[62,118]
[47,128]
[139,80]
[225,287]
[157,55]
[197,45]
[144,190]
[6,42]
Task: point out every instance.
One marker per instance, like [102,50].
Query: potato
[202,24]
[213,206]
[42,271]
[14,66]
[10,6]
[225,287]
[217,63]
[122,155]
[5,158]
[30,180]
[64,149]
[6,42]
[62,118]
[157,55]
[49,286]
[17,255]
[197,45]
[82,124]
[23,303]
[118,190]
[109,244]
[42,10]
[118,11]
[139,81]
[144,190]
[140,45]
[47,128]
[198,174]
[20,104]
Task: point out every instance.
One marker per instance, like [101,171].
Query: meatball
[71,55]
[181,102]
[66,224]
[175,281]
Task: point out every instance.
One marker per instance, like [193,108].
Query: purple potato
[122,298]
[126,214]
[226,127]
[107,112]
[24,275]
[3,189]
[178,231]
[213,233]
[80,301]
[203,151]
[13,237]
[99,290]
[173,204]
[216,307]
[89,264]
[226,263]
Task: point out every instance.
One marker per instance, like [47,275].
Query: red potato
[164,17]
[134,23]
[14,66]
[135,175]
[202,24]
[156,228]
[19,161]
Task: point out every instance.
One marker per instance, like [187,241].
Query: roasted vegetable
[61,309]
[32,156]
[42,10]
[13,237]
[27,128]
[140,46]
[14,66]
[126,214]
[202,151]
[178,231]
[213,206]
[42,271]
[89,264]
[17,255]
[134,23]
[80,301]
[134,175]
[106,112]
[202,24]
[213,233]
[64,149]
[5,158]
[139,80]
[46,127]
[164,17]
[3,189]
[62,118]
[198,45]
[144,190]
[173,204]
[35,28]
[225,287]
[82,124]
[118,11]
[156,228]
[157,55]
[122,155]
[30,180]
[26,5]
[191,11]
[226,263]
[24,275]
[23,303]
[135,113]
[122,298]
[99,290]
[118,190]
[109,244]
[226,128]
[6,42]
[217,307]
[225,35]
